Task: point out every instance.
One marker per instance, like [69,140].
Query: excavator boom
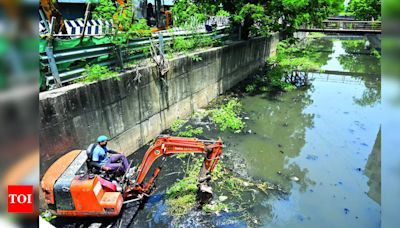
[167,145]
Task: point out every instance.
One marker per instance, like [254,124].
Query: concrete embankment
[132,113]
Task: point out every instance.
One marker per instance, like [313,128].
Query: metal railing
[80,56]
[355,25]
[346,26]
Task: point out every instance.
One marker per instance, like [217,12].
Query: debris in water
[281,151]
[246,118]
[280,145]
[249,131]
[312,157]
[346,211]
[95,225]
[222,198]
[358,169]
[294,178]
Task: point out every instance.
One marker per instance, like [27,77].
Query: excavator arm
[165,146]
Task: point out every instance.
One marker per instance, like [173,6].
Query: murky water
[320,144]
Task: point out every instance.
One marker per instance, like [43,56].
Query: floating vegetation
[177,124]
[227,115]
[181,196]
[190,131]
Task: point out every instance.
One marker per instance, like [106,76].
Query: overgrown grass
[97,72]
[227,116]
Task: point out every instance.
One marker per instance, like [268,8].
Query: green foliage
[222,13]
[290,59]
[183,10]
[227,116]
[263,17]
[256,16]
[197,58]
[177,124]
[186,44]
[139,29]
[96,73]
[250,88]
[181,196]
[294,13]
[190,131]
[183,44]
[365,9]
[124,21]
[376,53]
[105,10]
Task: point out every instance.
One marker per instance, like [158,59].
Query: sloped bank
[134,112]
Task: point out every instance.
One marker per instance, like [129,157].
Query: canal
[320,144]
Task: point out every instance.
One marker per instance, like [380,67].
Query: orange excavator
[71,187]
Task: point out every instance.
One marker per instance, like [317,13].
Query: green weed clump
[177,124]
[181,196]
[182,44]
[227,116]
[190,131]
[97,73]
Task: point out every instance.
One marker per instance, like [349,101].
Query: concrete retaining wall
[132,113]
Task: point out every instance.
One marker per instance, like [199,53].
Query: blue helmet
[102,138]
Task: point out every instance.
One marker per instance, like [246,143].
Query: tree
[276,15]
[289,15]
[365,9]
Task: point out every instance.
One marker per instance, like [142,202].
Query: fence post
[50,56]
[161,43]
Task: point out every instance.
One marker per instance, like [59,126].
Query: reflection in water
[280,126]
[357,59]
[373,170]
